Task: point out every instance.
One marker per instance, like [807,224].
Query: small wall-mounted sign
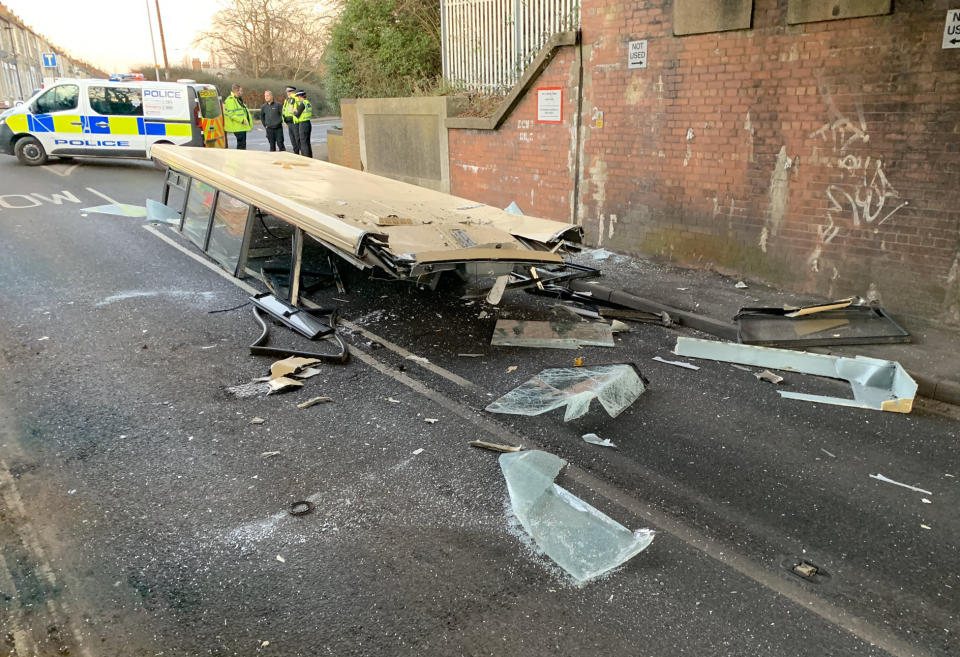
[951,31]
[637,54]
[550,105]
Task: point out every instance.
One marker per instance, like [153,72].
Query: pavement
[141,512]
[932,357]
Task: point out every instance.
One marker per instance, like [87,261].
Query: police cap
[301,93]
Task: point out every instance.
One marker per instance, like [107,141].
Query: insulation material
[583,541]
[616,386]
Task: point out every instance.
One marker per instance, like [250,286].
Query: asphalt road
[139,515]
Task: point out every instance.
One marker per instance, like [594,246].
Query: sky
[114,35]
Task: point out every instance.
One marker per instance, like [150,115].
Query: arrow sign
[951,30]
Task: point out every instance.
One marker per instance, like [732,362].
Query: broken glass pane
[226,235]
[197,220]
[162,213]
[555,334]
[616,386]
[579,538]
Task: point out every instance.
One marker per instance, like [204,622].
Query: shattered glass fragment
[616,386]
[161,213]
[579,538]
[119,209]
[560,334]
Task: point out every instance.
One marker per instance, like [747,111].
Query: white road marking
[103,196]
[693,537]
[64,173]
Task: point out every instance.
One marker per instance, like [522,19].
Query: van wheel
[30,151]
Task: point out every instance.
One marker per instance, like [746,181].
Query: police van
[111,118]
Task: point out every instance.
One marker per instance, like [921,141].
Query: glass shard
[554,335]
[162,213]
[579,538]
[119,209]
[616,386]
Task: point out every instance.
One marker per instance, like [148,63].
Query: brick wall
[523,161]
[823,157]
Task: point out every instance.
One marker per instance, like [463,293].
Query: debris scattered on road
[301,508]
[281,559]
[678,363]
[582,540]
[46,337]
[513,208]
[767,375]
[829,324]
[269,455]
[578,361]
[599,254]
[925,527]
[887,480]
[741,368]
[290,365]
[257,420]
[494,447]
[392,400]
[594,439]
[418,359]
[470,355]
[307,372]
[282,383]
[616,386]
[805,569]
[417,452]
[879,385]
[552,335]
[314,400]
[119,210]
[430,420]
[661,318]
[496,292]
[833,456]
[925,500]
[483,314]
[264,644]
[511,368]
[741,285]
[616,326]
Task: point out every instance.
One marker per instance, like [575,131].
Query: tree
[383,48]
[282,38]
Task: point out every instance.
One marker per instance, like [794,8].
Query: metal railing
[487,44]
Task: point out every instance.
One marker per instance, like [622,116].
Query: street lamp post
[16,61]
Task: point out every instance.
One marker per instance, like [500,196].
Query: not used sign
[637,54]
[951,31]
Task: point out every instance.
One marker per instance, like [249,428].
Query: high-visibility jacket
[236,116]
[289,105]
[303,112]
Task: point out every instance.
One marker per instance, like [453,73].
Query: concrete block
[698,17]
[810,11]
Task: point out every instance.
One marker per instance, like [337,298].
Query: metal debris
[494,447]
[314,400]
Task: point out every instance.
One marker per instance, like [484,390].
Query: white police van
[111,118]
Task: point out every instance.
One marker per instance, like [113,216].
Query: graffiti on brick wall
[863,196]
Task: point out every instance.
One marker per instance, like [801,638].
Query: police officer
[301,118]
[289,105]
[236,116]
[272,120]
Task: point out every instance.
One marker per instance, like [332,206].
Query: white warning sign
[951,31]
[637,54]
